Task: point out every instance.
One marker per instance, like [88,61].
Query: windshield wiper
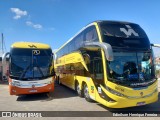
[117,80]
[39,67]
[13,76]
[24,72]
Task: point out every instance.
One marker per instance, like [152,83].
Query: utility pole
[2,45]
[2,51]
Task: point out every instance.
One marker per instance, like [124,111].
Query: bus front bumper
[14,90]
[121,102]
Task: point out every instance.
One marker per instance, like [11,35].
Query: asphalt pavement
[62,99]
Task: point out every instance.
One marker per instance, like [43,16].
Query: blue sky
[55,21]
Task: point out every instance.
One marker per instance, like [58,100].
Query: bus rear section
[30,68]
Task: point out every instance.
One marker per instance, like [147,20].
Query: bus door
[97,71]
[95,67]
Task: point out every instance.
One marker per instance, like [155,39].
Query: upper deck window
[124,35]
[89,34]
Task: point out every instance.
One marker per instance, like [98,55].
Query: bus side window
[71,46]
[86,58]
[90,34]
[79,41]
[72,68]
[98,69]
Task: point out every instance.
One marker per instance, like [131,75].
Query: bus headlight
[130,97]
[115,92]
[16,83]
[49,82]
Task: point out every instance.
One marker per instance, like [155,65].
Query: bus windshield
[124,35]
[30,64]
[131,67]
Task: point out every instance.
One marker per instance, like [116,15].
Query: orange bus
[30,68]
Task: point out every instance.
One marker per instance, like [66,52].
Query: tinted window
[90,34]
[65,49]
[79,41]
[124,35]
[30,63]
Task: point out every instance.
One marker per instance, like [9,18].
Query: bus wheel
[79,91]
[86,93]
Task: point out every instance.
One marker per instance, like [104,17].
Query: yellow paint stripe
[103,55]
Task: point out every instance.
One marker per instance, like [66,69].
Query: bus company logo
[92,89]
[32,46]
[129,32]
[33,86]
[141,93]
[36,52]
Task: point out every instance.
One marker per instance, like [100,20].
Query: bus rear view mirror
[4,70]
[105,46]
[155,45]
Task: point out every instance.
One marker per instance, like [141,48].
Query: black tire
[79,92]
[86,94]
[58,81]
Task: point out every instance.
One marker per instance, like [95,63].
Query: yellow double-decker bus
[30,68]
[110,62]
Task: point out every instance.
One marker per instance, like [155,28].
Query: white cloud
[52,28]
[29,23]
[36,26]
[19,13]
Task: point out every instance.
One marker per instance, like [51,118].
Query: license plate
[33,91]
[140,103]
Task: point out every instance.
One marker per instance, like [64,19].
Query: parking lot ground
[62,99]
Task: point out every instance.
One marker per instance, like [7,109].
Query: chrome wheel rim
[78,89]
[86,93]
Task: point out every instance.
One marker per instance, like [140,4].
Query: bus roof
[30,45]
[97,21]
[113,22]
